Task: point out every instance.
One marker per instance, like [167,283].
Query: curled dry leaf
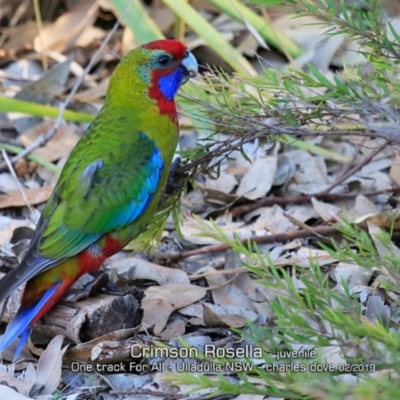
[377,310]
[395,168]
[270,218]
[58,146]
[49,366]
[21,385]
[383,250]
[64,32]
[232,316]
[14,198]
[133,269]
[83,351]
[258,180]
[285,171]
[384,220]
[49,85]
[7,227]
[363,206]
[225,292]
[225,183]
[353,275]
[160,302]
[8,393]
[327,212]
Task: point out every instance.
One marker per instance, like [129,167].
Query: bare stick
[14,175]
[283,201]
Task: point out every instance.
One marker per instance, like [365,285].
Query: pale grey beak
[191,66]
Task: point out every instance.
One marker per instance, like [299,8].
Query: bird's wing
[96,194]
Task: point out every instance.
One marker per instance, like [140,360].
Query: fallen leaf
[8,393]
[232,316]
[65,31]
[160,302]
[259,178]
[49,366]
[59,145]
[132,269]
[34,196]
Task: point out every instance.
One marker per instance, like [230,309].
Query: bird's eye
[164,60]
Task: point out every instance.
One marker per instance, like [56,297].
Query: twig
[283,201]
[279,237]
[43,139]
[147,392]
[353,170]
[20,188]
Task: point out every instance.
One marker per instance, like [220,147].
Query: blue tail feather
[19,326]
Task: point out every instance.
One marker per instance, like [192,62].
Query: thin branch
[283,201]
[14,175]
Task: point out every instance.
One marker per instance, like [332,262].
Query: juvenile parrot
[110,186]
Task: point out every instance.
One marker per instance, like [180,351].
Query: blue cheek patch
[169,84]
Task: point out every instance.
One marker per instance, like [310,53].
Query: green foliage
[319,316]
[308,310]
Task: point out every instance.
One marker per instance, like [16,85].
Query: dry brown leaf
[8,393]
[224,183]
[377,310]
[385,220]
[49,366]
[83,351]
[160,302]
[259,178]
[174,329]
[328,212]
[22,386]
[270,219]
[49,85]
[133,269]
[307,255]
[60,144]
[395,168]
[353,275]
[232,316]
[382,249]
[34,196]
[64,32]
[7,226]
[363,206]
[225,293]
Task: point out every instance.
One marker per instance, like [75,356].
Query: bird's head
[167,64]
[157,70]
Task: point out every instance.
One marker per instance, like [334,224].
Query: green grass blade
[40,110]
[136,18]
[41,161]
[211,36]
[240,12]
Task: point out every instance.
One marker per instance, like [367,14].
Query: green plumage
[111,184]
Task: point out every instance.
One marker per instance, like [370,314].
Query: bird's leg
[174,173]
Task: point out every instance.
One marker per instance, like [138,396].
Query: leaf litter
[199,299]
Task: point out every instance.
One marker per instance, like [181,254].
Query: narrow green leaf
[40,110]
[211,36]
[241,13]
[44,163]
[136,18]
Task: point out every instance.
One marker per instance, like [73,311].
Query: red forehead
[174,47]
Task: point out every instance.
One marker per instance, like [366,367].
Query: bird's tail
[20,325]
